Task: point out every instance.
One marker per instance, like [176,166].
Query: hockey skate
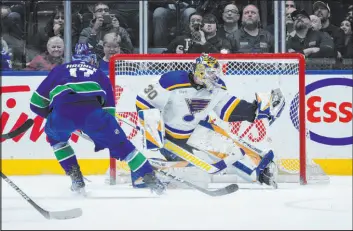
[267,177]
[154,183]
[265,174]
[78,184]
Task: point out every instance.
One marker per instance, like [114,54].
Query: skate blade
[274,184]
[80,192]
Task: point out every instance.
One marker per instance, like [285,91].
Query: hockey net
[244,74]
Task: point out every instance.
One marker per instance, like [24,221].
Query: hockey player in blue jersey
[185,100]
[79,96]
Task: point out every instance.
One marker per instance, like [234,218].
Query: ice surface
[323,206]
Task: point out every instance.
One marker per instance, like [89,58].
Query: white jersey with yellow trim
[184,104]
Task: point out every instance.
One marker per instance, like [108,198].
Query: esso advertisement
[16,92]
[329,114]
[329,111]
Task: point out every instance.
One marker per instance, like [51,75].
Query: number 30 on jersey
[150,92]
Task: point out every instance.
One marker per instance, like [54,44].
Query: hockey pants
[89,117]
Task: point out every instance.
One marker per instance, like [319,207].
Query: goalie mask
[206,70]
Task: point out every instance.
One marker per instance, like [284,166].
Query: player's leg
[58,129]
[105,131]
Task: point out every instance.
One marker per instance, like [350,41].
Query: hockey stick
[218,192]
[24,127]
[58,215]
[185,154]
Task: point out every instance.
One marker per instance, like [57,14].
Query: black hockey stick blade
[19,130]
[214,193]
[58,215]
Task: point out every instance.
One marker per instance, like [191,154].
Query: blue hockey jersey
[73,82]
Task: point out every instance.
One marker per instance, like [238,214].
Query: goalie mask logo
[195,106]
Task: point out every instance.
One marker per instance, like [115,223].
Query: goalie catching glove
[270,105]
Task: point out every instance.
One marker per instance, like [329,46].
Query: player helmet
[207,70]
[83,53]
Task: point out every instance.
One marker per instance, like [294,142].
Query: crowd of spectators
[32,36]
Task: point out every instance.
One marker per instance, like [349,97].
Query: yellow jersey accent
[230,109]
[178,85]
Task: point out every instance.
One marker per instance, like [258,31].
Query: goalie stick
[218,192]
[57,215]
[24,127]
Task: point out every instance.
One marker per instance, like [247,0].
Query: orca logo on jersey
[195,106]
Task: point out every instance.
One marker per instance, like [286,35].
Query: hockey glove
[270,105]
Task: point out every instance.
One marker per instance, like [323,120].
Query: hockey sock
[138,163]
[65,155]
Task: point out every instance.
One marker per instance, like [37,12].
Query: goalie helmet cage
[279,68]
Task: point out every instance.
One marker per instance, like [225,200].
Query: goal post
[244,74]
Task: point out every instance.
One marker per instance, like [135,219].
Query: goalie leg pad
[251,171]
[265,161]
[246,169]
[152,130]
[248,164]
[214,140]
[182,169]
[170,156]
